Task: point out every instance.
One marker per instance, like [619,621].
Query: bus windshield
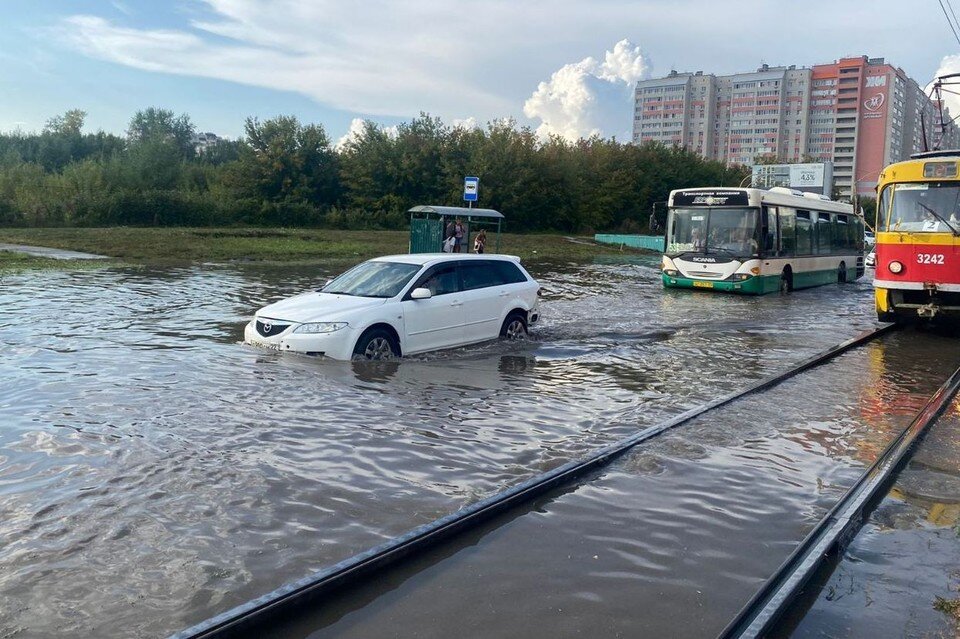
[922,207]
[730,232]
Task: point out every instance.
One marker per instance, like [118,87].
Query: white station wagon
[403,304]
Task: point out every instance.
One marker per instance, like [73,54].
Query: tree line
[286,173]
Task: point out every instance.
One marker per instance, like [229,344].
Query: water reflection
[904,558]
[670,541]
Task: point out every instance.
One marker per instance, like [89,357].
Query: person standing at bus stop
[458,236]
[480,244]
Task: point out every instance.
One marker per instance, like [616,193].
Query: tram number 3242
[929,258]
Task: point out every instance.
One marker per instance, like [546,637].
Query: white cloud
[461,59]
[355,132]
[949,64]
[122,8]
[465,123]
[589,98]
[309,48]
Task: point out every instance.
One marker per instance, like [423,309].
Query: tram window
[769,231]
[805,233]
[883,208]
[788,231]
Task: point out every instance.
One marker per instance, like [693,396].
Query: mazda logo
[267,327]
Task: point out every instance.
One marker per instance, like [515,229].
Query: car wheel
[514,327]
[376,344]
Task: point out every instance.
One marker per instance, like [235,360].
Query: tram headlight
[895,267]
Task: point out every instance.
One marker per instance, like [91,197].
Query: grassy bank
[18,262]
[179,245]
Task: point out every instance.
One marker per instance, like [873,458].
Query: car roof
[430,258]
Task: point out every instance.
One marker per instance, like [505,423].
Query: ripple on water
[154,471]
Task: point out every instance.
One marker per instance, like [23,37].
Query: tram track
[354,570]
[834,532]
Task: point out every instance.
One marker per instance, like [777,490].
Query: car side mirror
[421,294]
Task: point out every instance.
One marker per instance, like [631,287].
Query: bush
[283,213]
[150,208]
[357,219]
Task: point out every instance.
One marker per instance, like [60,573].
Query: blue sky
[560,65]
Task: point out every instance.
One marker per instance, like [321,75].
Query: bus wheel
[842,273]
[785,284]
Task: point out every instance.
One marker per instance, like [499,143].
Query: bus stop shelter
[427,224]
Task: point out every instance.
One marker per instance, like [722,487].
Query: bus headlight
[672,272]
[895,267]
[739,277]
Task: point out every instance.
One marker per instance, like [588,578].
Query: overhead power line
[955,21]
[949,21]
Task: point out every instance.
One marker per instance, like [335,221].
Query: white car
[403,304]
[871,258]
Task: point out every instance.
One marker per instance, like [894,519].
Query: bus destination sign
[711,198]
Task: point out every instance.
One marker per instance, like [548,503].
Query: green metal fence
[649,242]
[426,236]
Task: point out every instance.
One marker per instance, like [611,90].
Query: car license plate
[703,284]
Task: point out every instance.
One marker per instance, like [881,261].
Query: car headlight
[895,267]
[320,327]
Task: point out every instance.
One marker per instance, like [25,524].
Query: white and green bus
[756,241]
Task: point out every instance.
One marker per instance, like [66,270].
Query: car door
[484,295]
[436,322]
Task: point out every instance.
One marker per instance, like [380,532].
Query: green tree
[286,161]
[70,123]
[370,169]
[161,124]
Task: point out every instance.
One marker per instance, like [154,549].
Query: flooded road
[901,575]
[154,471]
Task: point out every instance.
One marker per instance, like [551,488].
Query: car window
[509,272]
[440,280]
[373,279]
[480,275]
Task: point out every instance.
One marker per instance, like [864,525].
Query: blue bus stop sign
[471,187]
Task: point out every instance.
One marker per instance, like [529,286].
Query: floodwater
[155,472]
[901,575]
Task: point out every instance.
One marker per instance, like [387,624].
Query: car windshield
[929,207]
[717,231]
[373,279]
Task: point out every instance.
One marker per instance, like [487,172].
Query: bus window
[788,238]
[824,234]
[804,233]
[841,235]
[769,231]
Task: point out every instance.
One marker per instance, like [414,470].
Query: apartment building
[859,113]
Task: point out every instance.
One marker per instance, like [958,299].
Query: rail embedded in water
[834,532]
[365,564]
